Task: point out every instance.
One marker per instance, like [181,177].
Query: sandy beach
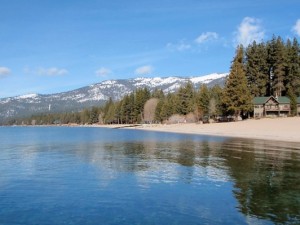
[280,129]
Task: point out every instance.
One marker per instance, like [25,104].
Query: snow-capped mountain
[95,95]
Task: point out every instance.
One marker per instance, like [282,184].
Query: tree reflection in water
[266,177]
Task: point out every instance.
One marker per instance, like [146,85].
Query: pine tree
[186,99]
[118,118]
[125,109]
[94,116]
[237,97]
[277,66]
[257,69]
[110,115]
[293,67]
[158,93]
[85,116]
[203,100]
[158,110]
[216,94]
[169,107]
[141,97]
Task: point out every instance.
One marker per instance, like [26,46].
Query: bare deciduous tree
[149,110]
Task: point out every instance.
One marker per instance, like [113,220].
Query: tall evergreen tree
[106,111]
[169,106]
[277,66]
[293,67]
[94,116]
[158,110]
[85,116]
[292,82]
[216,94]
[125,109]
[157,93]
[237,97]
[257,69]
[110,114]
[141,97]
[203,100]
[186,99]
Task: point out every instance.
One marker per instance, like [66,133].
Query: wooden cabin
[272,106]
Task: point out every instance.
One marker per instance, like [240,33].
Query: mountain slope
[95,95]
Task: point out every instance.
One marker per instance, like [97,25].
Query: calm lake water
[61,175]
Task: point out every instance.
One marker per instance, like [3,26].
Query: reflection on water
[267,179]
[99,176]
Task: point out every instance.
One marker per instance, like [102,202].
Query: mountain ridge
[96,94]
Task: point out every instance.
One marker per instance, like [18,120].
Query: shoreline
[276,129]
[273,129]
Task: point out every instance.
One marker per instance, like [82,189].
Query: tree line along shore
[269,68]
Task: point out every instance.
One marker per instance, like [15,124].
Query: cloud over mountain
[248,31]
[103,72]
[53,71]
[4,72]
[144,70]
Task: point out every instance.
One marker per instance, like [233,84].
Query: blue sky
[49,46]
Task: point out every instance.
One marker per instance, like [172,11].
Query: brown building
[272,106]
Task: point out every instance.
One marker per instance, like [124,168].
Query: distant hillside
[95,95]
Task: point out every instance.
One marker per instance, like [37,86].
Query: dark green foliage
[257,69]
[129,110]
[169,106]
[292,81]
[203,100]
[293,99]
[94,116]
[186,101]
[273,68]
[141,97]
[158,110]
[277,65]
[216,94]
[236,95]
[158,93]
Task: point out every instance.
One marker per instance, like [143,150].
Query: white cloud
[144,70]
[207,36]
[296,28]
[102,72]
[4,72]
[181,46]
[249,30]
[53,71]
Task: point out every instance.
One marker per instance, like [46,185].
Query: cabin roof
[284,100]
[260,100]
[280,100]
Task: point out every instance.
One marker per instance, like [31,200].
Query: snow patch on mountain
[208,78]
[156,81]
[26,96]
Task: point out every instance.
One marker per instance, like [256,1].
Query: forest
[260,69]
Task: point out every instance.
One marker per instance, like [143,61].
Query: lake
[80,175]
